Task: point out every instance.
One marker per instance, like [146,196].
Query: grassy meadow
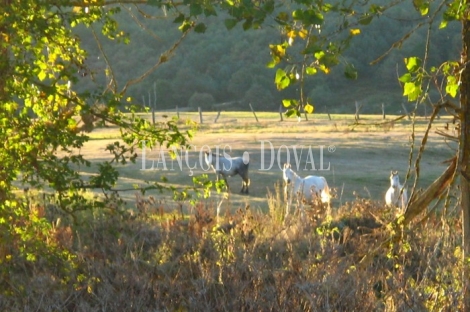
[147,257]
[355,158]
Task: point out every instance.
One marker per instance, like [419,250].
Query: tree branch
[163,59]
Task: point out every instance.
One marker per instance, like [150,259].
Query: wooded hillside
[230,65]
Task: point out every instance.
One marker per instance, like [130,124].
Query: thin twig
[164,57]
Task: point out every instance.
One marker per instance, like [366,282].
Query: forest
[221,65]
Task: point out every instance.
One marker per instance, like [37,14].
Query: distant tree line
[222,66]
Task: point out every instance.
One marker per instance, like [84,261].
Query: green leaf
[42,75]
[412,63]
[290,103]
[411,90]
[200,28]
[350,72]
[421,6]
[319,55]
[286,103]
[210,11]
[292,112]
[297,14]
[247,24]
[405,78]
[366,19]
[186,25]
[281,80]
[312,17]
[309,108]
[452,86]
[230,23]
[195,9]
[272,64]
[310,70]
[443,24]
[282,18]
[179,19]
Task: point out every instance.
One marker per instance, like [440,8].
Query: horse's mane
[294,173]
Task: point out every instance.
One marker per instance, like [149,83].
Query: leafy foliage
[45,122]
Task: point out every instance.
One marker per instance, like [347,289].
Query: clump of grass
[276,204]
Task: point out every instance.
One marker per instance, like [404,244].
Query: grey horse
[228,167]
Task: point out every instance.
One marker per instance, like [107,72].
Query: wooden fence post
[280,112]
[200,115]
[358,107]
[383,111]
[217,117]
[177,112]
[329,117]
[153,115]
[251,107]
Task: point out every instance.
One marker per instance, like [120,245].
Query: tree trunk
[464,158]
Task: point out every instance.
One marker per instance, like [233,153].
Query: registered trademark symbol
[331,148]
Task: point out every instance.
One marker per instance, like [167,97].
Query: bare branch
[163,59]
[447,135]
[398,43]
[423,199]
[112,83]
[138,22]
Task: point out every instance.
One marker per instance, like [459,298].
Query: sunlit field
[355,157]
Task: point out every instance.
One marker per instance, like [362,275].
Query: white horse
[227,167]
[307,188]
[393,197]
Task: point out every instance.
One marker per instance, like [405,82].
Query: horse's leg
[245,184]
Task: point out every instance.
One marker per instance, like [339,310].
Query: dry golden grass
[249,261]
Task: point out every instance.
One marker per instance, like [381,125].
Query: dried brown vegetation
[251,261]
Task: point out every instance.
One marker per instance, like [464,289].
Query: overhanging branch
[164,57]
